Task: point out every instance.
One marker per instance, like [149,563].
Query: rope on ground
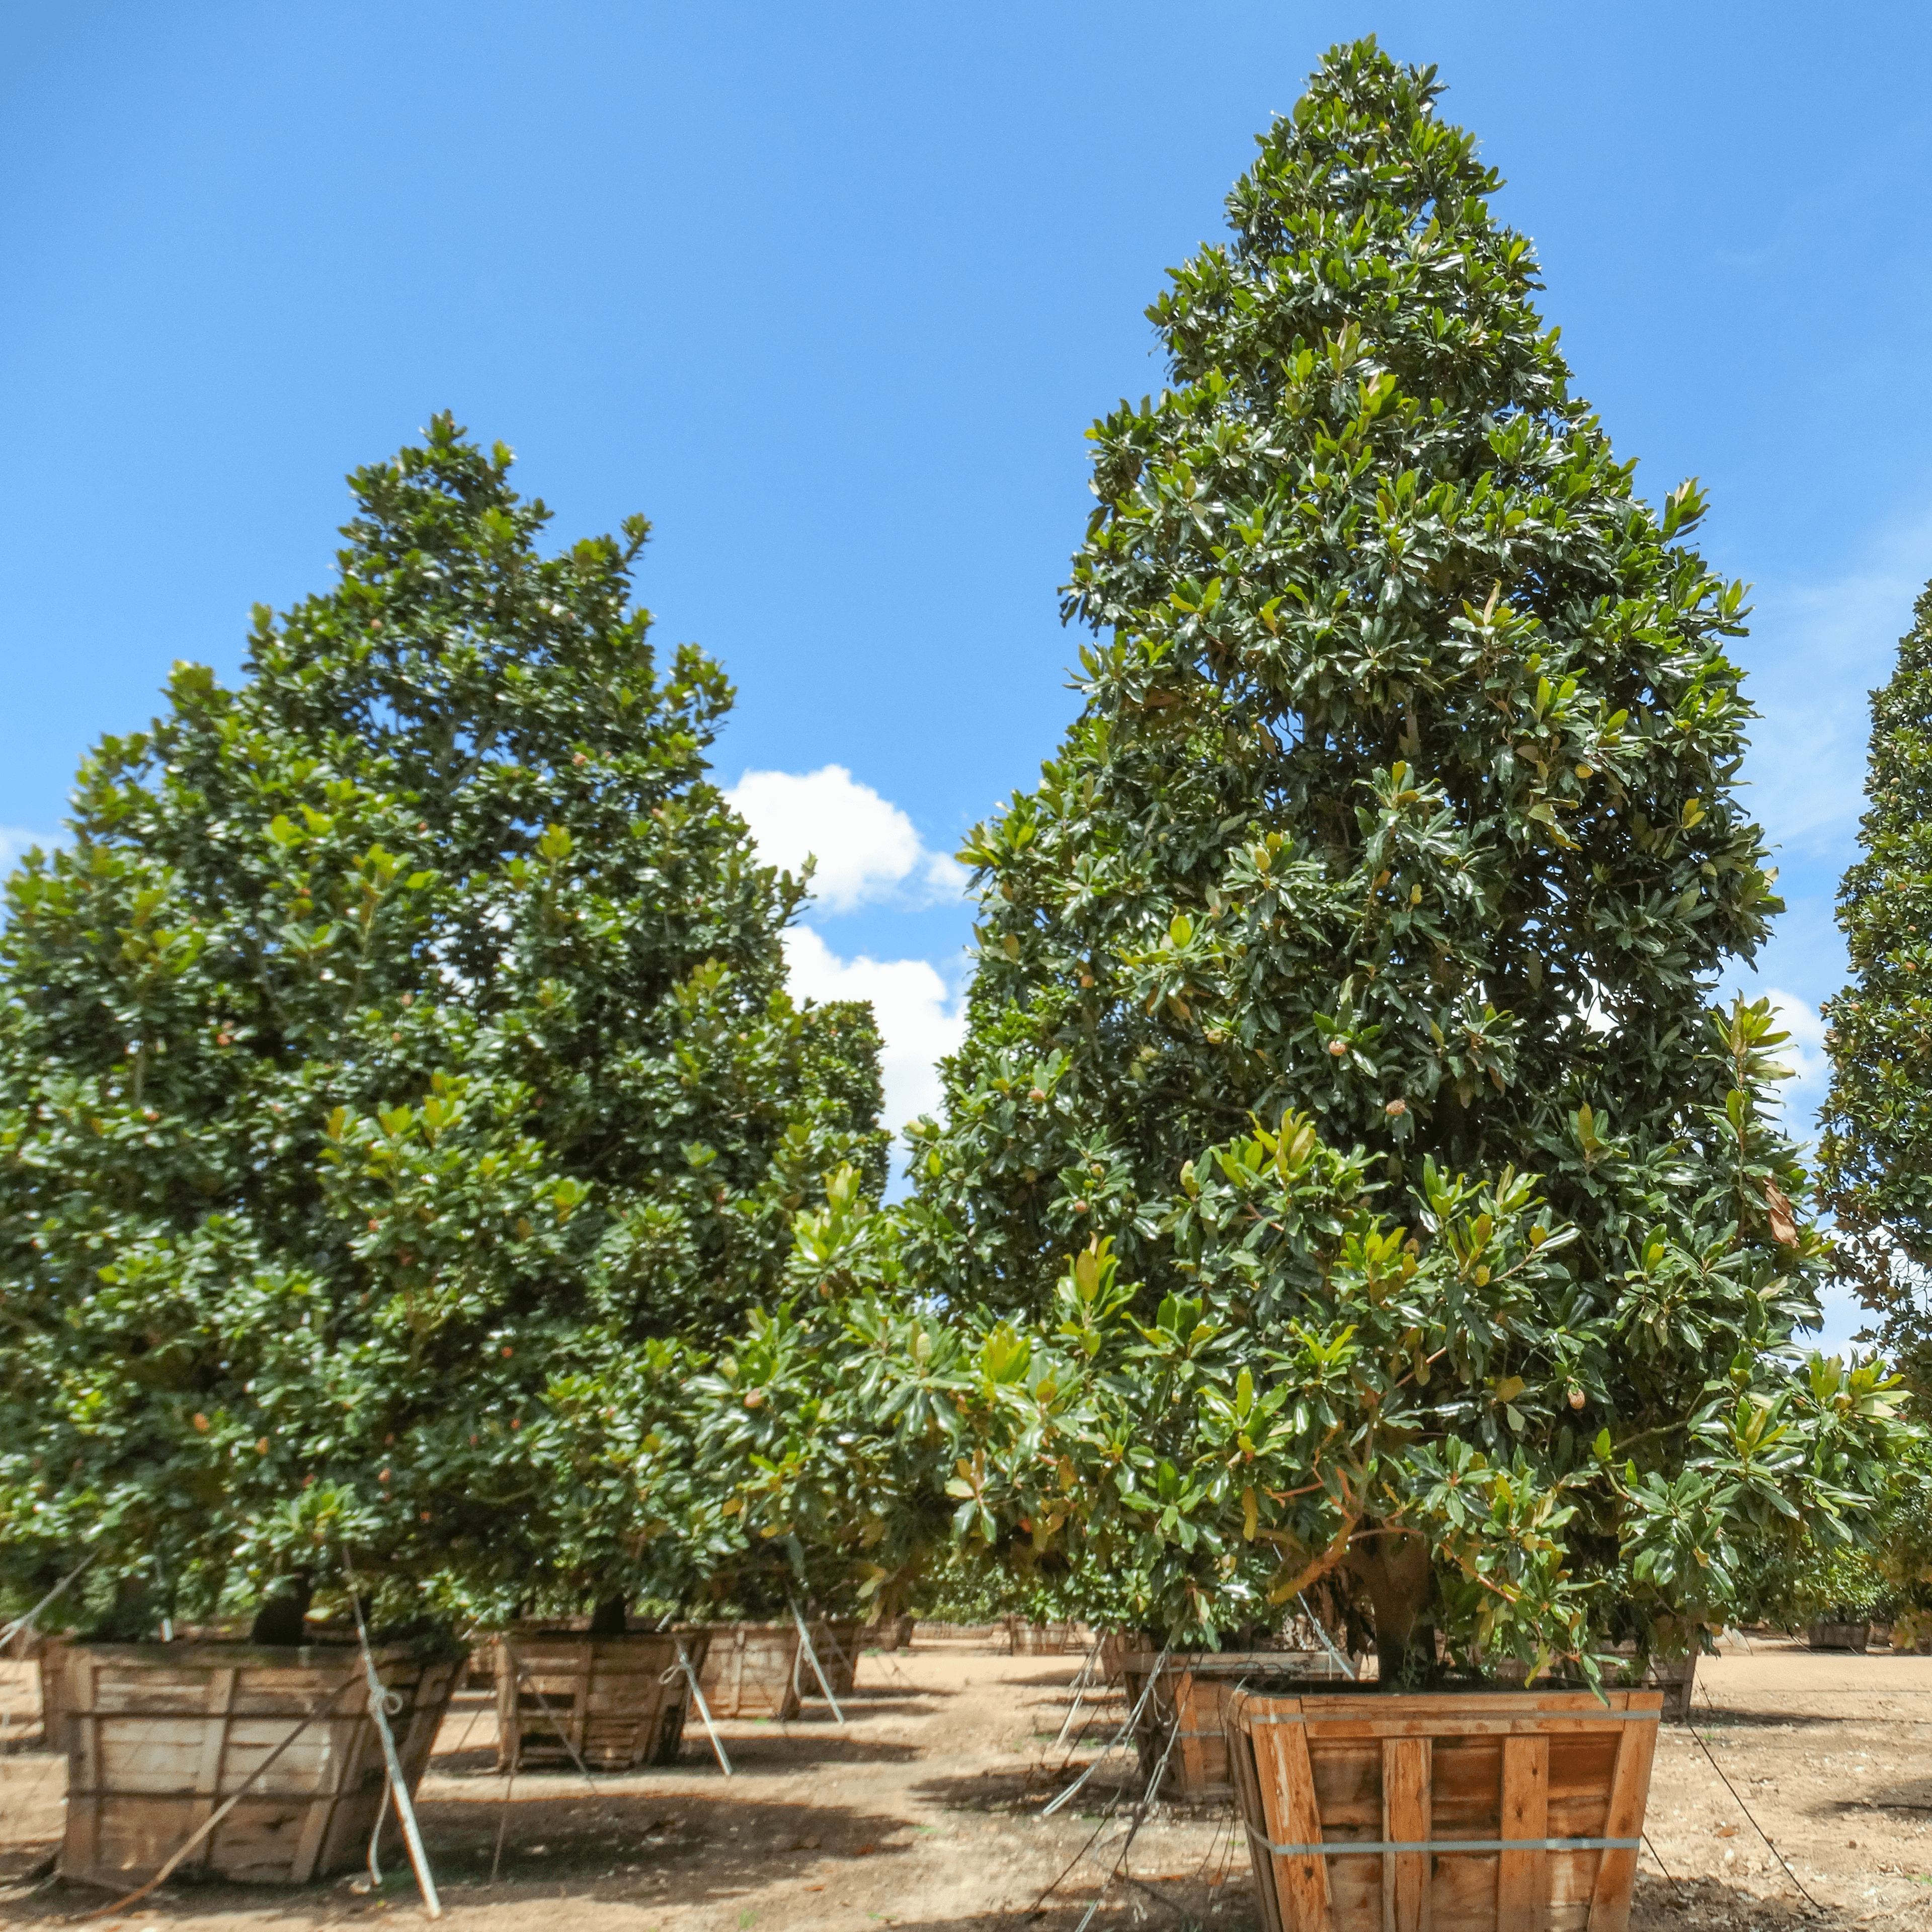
[1661,1865]
[503,1821]
[1141,1811]
[1746,1809]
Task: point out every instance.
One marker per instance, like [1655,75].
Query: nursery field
[923,1813]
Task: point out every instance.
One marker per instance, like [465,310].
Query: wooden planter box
[20,1702]
[893,1634]
[836,1640]
[1038,1640]
[751,1670]
[1518,1810]
[1838,1636]
[947,1632]
[1191,1697]
[1676,1677]
[159,1735]
[620,1699]
[53,1692]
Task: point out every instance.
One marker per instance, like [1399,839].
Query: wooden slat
[1616,1871]
[1523,1880]
[217,1700]
[1287,1782]
[1480,1724]
[315,1830]
[80,1848]
[1405,1820]
[1189,1721]
[1252,1812]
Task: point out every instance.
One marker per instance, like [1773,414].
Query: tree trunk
[608,1618]
[131,1615]
[282,1617]
[1394,1566]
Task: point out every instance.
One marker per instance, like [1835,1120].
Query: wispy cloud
[15,842]
[1819,650]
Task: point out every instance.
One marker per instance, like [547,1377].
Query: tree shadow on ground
[1022,1792]
[644,1848]
[1723,1719]
[1710,1905]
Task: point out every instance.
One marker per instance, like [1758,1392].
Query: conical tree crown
[401,1039]
[1875,1154]
[1402,791]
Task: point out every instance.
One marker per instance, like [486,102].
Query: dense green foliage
[1887,1573]
[1487,1447]
[1402,792]
[400,1099]
[1876,1153]
[1399,821]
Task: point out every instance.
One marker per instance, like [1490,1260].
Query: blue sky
[830,293]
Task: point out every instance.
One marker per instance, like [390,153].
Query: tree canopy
[1875,1152]
[1402,788]
[399,1096]
[1347,1169]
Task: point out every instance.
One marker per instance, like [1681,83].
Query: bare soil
[922,1812]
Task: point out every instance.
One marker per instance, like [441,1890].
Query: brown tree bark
[1394,1566]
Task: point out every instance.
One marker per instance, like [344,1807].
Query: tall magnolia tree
[1875,1154]
[1401,808]
[399,1092]
[1402,789]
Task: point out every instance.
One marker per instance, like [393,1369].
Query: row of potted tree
[422,1198]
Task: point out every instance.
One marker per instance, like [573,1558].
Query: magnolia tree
[400,1097]
[1424,1428]
[1875,1154]
[1342,1005]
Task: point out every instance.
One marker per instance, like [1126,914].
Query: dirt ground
[922,1813]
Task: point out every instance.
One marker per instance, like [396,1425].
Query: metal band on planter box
[1339,1848]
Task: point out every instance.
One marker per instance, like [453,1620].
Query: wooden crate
[1039,1640]
[946,1633]
[159,1735]
[836,1642]
[20,1703]
[1676,1677]
[895,1633]
[1838,1636]
[751,1670]
[1190,1698]
[1487,1811]
[621,1700]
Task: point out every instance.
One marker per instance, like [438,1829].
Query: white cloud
[1800,1097]
[867,850]
[917,1019]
